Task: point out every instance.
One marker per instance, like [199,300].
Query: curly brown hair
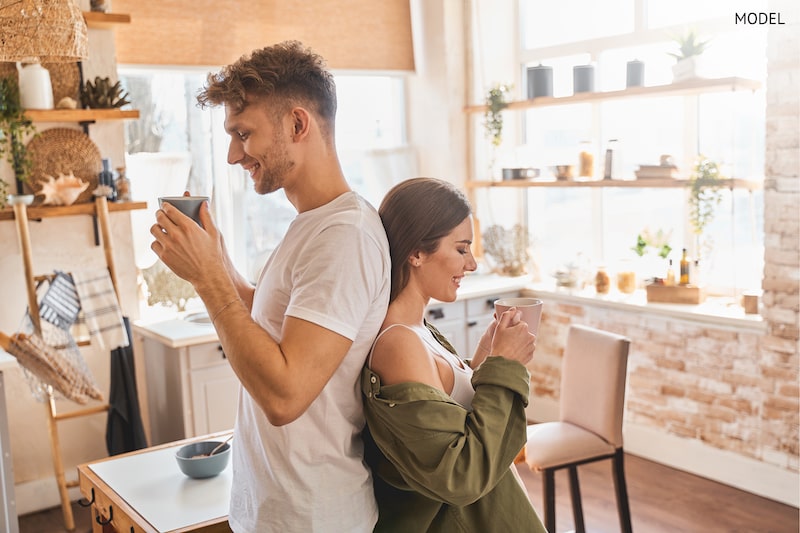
[288,73]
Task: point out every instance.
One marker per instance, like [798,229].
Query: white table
[145,491]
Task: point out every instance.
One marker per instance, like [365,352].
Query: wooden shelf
[98,20]
[80,115]
[654,183]
[88,208]
[683,88]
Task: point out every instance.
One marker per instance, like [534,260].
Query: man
[298,339]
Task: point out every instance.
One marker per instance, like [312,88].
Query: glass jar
[626,277]
[123,186]
[585,160]
[602,281]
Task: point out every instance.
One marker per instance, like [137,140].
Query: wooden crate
[676,294]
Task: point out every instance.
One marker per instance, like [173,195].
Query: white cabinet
[191,390]
[464,321]
[449,319]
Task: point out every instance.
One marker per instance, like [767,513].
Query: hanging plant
[705,193]
[14,126]
[493,117]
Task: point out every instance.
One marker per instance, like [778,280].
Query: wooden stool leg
[58,465]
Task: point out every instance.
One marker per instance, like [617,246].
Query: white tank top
[462,392]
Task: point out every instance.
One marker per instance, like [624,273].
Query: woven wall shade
[42,30]
[349,34]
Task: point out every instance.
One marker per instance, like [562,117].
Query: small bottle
[610,163]
[106,177]
[122,185]
[670,279]
[684,265]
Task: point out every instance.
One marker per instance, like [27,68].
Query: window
[728,128]
[370,137]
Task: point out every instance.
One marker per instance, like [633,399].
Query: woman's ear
[415,259]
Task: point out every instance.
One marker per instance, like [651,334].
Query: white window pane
[551,23]
[665,13]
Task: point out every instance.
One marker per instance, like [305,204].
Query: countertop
[178,333]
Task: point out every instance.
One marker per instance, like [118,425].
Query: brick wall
[731,388]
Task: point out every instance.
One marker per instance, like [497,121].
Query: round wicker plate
[61,151]
[64,77]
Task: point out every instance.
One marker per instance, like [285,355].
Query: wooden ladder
[53,416]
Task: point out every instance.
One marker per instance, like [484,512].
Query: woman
[442,432]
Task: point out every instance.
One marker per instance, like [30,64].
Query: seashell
[67,103]
[63,190]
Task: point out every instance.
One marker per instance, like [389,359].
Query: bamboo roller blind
[349,34]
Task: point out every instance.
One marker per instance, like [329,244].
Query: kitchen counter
[178,333]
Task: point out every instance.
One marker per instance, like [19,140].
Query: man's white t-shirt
[332,268]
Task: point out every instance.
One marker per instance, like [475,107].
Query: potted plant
[14,126]
[690,47]
[705,195]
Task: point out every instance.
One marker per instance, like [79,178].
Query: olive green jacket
[438,467]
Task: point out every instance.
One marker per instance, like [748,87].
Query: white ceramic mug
[531,309]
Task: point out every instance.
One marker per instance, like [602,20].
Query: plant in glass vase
[653,248]
[14,126]
[705,194]
[496,101]
[509,248]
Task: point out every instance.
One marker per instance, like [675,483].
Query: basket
[61,151]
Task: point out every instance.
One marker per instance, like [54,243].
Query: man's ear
[300,122]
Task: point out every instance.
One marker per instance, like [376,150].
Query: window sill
[721,311]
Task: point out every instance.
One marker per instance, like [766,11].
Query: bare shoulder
[401,356]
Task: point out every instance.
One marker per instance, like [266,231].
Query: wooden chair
[590,422]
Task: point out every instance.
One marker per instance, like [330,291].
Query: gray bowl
[203,467]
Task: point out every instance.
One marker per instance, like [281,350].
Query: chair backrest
[593,381]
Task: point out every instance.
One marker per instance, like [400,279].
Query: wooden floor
[663,500]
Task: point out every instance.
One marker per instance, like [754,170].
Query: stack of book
[657,171]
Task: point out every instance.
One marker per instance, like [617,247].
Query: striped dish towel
[100,306]
[60,304]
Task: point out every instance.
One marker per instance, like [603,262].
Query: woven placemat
[61,151]
[64,77]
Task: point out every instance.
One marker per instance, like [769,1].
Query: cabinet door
[215,393]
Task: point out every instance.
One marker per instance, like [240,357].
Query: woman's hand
[512,339]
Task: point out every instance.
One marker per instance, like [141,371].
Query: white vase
[35,89]
[687,69]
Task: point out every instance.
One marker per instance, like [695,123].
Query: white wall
[64,243]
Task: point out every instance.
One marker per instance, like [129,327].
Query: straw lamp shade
[42,30]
